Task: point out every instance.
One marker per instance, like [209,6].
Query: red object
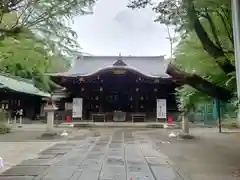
[68,119]
[170,120]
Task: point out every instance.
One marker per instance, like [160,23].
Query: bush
[4,129]
[3,122]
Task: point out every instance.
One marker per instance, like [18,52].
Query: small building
[107,85]
[17,93]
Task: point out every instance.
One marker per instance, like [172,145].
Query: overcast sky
[113,28]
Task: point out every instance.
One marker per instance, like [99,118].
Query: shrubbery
[4,128]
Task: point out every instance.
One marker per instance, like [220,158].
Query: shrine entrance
[121,91]
[117,88]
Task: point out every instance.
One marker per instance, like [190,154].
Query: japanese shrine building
[108,84]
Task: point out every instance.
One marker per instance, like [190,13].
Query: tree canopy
[35,37]
[205,51]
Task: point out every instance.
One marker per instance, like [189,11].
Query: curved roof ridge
[122,57]
[87,65]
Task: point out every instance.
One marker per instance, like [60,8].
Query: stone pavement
[25,143]
[128,154]
[110,154]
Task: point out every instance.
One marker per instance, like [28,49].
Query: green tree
[48,20]
[208,24]
[192,15]
[25,56]
[35,37]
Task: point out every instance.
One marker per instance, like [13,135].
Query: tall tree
[25,56]
[192,15]
[48,19]
[187,15]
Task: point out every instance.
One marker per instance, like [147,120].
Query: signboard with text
[161,109]
[77,107]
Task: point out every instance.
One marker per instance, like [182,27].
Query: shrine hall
[116,88]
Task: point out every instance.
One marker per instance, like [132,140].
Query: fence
[207,113]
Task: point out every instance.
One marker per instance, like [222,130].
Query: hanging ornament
[137,89]
[101,89]
[131,98]
[81,79]
[156,81]
[140,78]
[97,98]
[142,98]
[97,106]
[155,89]
[141,106]
[82,89]
[98,77]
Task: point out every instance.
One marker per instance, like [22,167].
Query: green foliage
[26,57]
[206,45]
[3,122]
[190,57]
[37,39]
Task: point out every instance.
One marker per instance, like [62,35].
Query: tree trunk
[209,46]
[198,83]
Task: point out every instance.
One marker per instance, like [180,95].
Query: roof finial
[120,55]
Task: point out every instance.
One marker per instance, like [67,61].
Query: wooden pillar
[137,100]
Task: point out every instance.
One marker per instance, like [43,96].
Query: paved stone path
[110,154]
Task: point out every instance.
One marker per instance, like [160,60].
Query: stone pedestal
[50,109]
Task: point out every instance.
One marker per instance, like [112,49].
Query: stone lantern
[50,108]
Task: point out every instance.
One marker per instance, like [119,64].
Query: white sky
[114,28]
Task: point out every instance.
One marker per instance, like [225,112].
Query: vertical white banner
[77,108]
[161,108]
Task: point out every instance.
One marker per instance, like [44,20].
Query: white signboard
[161,108]
[77,108]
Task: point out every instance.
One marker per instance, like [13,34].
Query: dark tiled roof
[152,66]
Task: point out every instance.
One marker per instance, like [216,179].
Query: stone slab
[136,162]
[91,164]
[37,162]
[140,176]
[115,161]
[76,175]
[16,177]
[89,175]
[57,152]
[137,168]
[57,173]
[24,171]
[164,173]
[95,155]
[109,172]
[70,161]
[47,156]
[156,161]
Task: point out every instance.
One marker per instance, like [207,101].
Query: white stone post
[20,117]
[185,123]
[50,121]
